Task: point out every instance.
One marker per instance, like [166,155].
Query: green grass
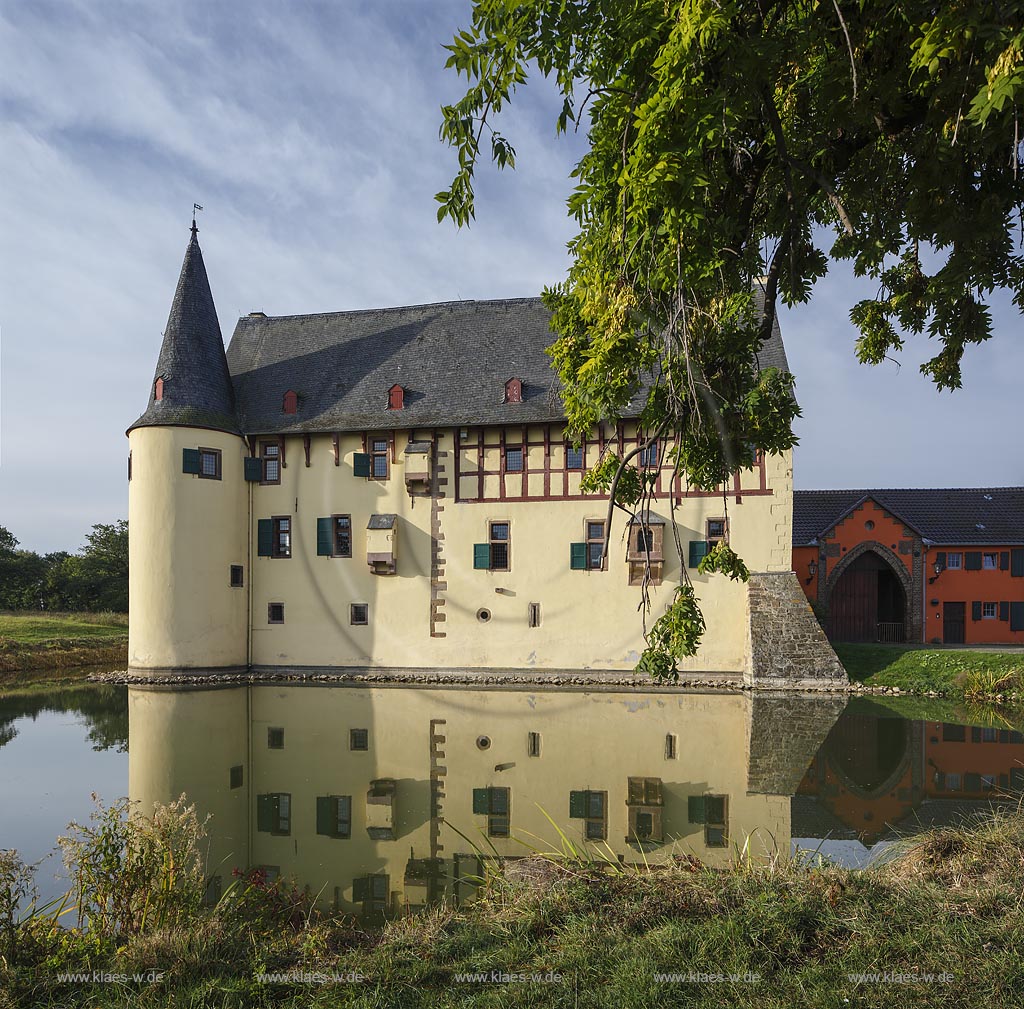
[950,671]
[35,641]
[38,628]
[949,902]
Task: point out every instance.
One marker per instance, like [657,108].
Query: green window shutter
[361,464]
[325,815]
[253,469]
[265,538]
[972,560]
[1004,611]
[361,889]
[975,611]
[344,817]
[481,800]
[190,460]
[1017,616]
[482,556]
[1017,563]
[578,556]
[695,811]
[324,546]
[940,559]
[1004,560]
[595,804]
[499,801]
[265,812]
[577,805]
[698,551]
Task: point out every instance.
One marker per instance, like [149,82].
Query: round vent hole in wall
[483,615]
[483,742]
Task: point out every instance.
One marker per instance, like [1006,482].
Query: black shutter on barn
[975,611]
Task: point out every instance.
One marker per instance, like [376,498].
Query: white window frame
[954,561]
[990,611]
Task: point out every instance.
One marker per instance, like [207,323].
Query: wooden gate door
[853,608]
[953,616]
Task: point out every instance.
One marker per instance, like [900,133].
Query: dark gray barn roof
[958,515]
[197,387]
[453,360]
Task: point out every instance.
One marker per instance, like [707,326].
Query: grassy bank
[952,672]
[31,641]
[948,903]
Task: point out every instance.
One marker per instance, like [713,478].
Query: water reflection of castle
[381,799]
[876,778]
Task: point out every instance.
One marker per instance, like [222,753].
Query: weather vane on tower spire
[195,230]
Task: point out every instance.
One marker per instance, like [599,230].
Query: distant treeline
[93,580]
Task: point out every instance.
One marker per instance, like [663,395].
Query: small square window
[989,611]
[275,613]
[716,532]
[237,576]
[359,614]
[954,561]
[359,739]
[573,457]
[990,562]
[209,463]
[514,460]
[237,776]
[952,782]
[275,739]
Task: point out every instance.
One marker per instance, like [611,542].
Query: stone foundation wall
[787,646]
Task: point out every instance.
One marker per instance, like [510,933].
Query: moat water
[386,798]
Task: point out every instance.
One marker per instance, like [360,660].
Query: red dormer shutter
[514,390]
[396,397]
[291,402]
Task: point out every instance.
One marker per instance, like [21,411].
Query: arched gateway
[869,596]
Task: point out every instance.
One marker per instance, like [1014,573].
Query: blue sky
[309,134]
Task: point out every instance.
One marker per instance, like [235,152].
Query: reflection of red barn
[941,566]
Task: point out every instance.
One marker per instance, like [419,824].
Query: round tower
[187,497]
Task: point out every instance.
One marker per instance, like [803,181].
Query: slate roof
[198,391]
[953,516]
[453,360]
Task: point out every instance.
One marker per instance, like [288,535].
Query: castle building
[938,566]
[393,489]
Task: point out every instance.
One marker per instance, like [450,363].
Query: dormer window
[396,397]
[291,402]
[514,390]
[158,389]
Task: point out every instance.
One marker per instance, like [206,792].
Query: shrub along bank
[943,917]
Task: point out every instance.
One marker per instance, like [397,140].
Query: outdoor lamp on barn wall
[812,570]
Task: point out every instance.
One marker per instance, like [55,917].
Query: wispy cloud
[309,133]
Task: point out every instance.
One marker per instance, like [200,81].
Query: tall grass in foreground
[948,900]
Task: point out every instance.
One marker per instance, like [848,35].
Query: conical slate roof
[197,390]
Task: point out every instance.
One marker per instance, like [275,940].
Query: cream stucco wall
[187,741]
[184,533]
[589,619]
